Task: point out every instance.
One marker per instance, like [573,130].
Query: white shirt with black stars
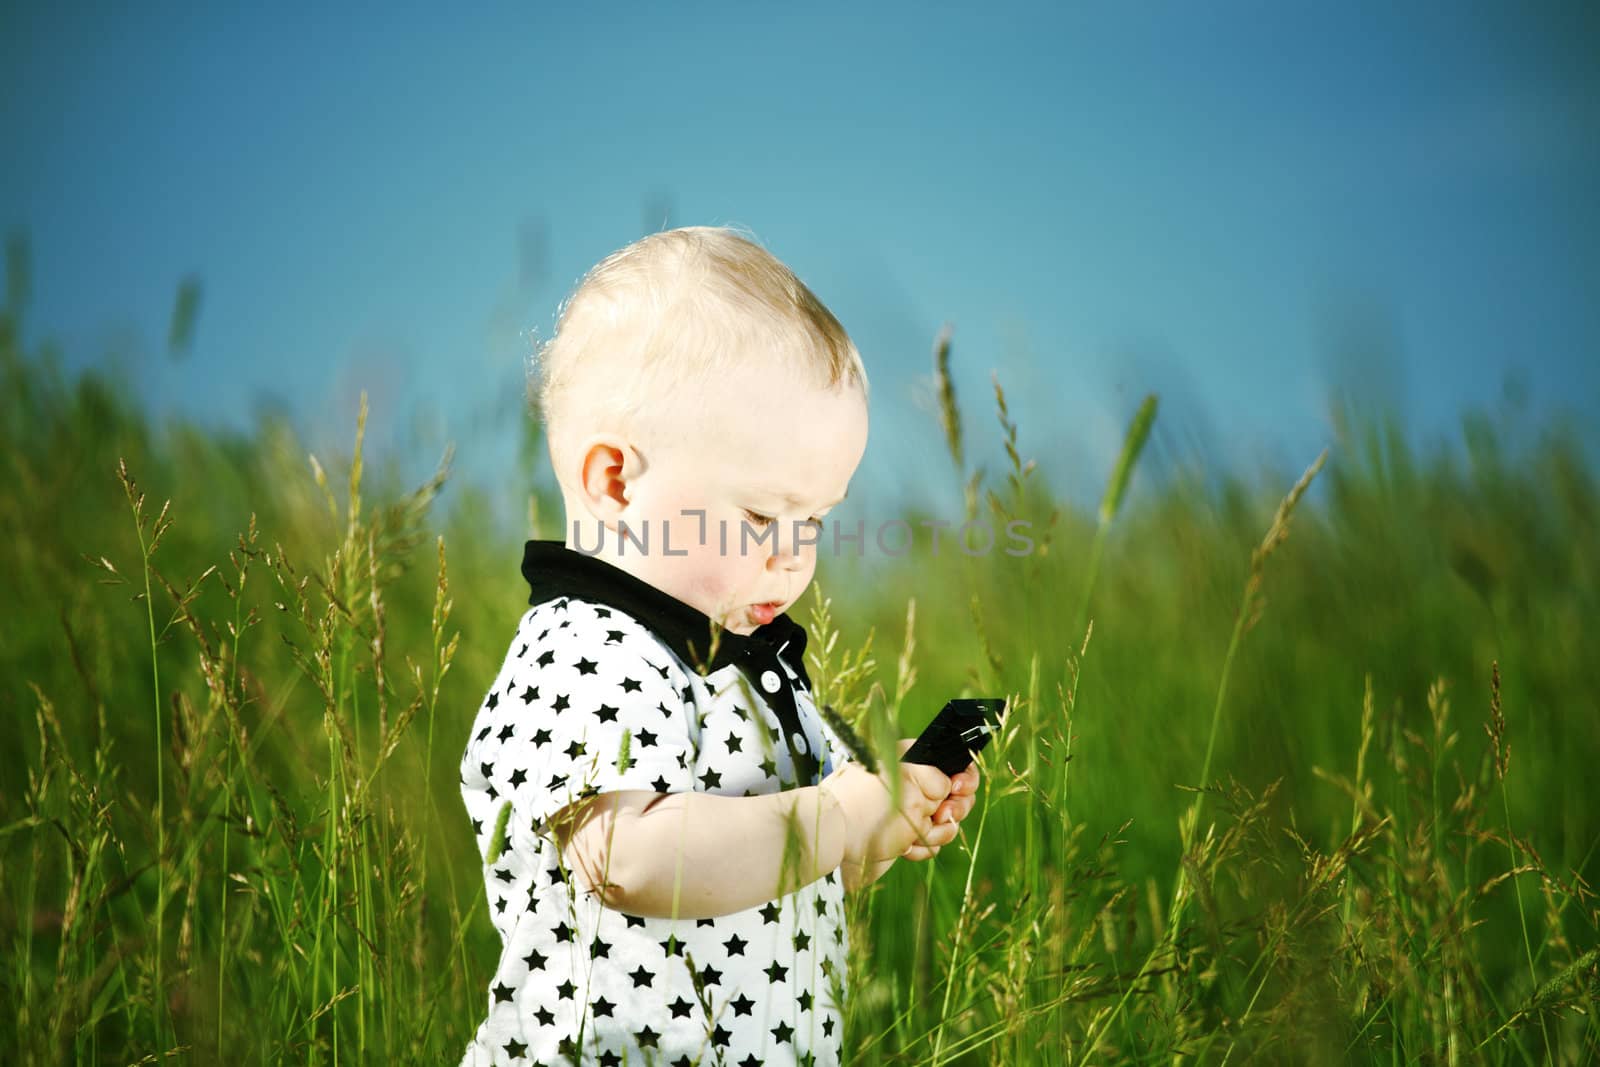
[602,654]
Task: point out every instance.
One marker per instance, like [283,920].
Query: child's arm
[699,855]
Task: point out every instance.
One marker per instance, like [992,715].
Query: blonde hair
[671,311]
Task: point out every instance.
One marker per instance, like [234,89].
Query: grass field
[1304,779]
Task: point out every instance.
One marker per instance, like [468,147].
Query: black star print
[602,613]
[500,906]
[503,874]
[494,701]
[822,906]
[523,651]
[477,827]
[486,769]
[827,1026]
[533,902]
[516,1049]
[609,1058]
[484,732]
[735,770]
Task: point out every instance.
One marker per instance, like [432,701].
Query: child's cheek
[712,582]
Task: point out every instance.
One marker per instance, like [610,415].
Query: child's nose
[787,558]
[791,556]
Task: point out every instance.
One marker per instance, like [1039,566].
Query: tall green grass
[1333,805]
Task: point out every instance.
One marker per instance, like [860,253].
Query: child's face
[761,446]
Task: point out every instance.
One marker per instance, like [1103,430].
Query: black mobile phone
[961,728]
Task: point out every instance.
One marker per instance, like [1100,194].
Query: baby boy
[668,826]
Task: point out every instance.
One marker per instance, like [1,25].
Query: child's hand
[877,830]
[947,817]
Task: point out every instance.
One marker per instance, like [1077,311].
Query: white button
[802,742]
[770,681]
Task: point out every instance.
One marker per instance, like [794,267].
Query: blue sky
[1238,206]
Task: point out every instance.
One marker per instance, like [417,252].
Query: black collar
[554,570]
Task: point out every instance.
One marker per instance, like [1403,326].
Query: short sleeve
[587,702]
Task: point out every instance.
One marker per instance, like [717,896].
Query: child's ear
[609,467]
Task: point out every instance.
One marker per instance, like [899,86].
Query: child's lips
[765,613]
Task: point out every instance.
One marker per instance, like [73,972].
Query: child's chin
[740,624]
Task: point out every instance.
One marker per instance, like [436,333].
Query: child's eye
[759,520]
